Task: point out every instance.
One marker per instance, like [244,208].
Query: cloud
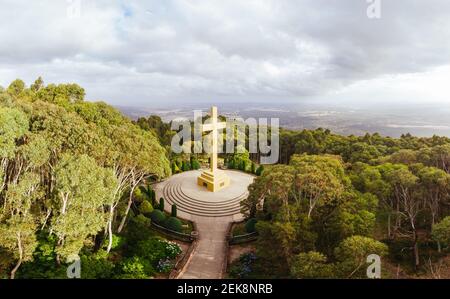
[143,53]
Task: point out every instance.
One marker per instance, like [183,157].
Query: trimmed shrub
[184,166]
[153,198]
[174,210]
[253,169]
[161,204]
[141,220]
[250,225]
[260,170]
[195,164]
[158,217]
[175,168]
[173,224]
[145,208]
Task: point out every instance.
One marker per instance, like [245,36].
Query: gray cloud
[135,53]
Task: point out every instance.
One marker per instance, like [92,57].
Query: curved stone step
[181,201]
[180,192]
[179,195]
[186,205]
[173,194]
[212,213]
[202,208]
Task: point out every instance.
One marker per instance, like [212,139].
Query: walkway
[208,258]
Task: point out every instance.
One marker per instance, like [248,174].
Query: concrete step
[177,186]
[173,194]
[183,203]
[179,195]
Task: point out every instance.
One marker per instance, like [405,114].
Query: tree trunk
[130,201]
[389,226]
[416,251]
[111,216]
[19,262]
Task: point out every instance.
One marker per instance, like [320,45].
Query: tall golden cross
[214,126]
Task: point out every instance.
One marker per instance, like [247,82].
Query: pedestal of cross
[213,179]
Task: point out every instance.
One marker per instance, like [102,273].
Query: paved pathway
[208,258]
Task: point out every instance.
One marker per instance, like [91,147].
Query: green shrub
[174,210]
[441,232]
[137,229]
[195,164]
[145,208]
[135,268]
[157,216]
[243,165]
[175,168]
[153,197]
[260,170]
[96,268]
[243,267]
[154,250]
[173,224]
[138,195]
[117,242]
[161,204]
[250,225]
[141,220]
[308,265]
[253,169]
[147,192]
[185,166]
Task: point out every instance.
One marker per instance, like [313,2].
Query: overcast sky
[154,52]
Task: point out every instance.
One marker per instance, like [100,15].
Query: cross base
[213,181]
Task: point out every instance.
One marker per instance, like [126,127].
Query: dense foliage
[320,216]
[68,171]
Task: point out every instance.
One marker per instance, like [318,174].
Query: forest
[71,173]
[75,180]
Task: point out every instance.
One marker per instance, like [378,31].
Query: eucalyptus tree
[352,254]
[435,187]
[81,191]
[404,183]
[16,88]
[13,126]
[141,156]
[441,232]
[131,152]
[17,223]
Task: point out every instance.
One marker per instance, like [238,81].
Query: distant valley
[423,121]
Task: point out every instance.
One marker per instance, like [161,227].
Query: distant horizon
[358,121]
